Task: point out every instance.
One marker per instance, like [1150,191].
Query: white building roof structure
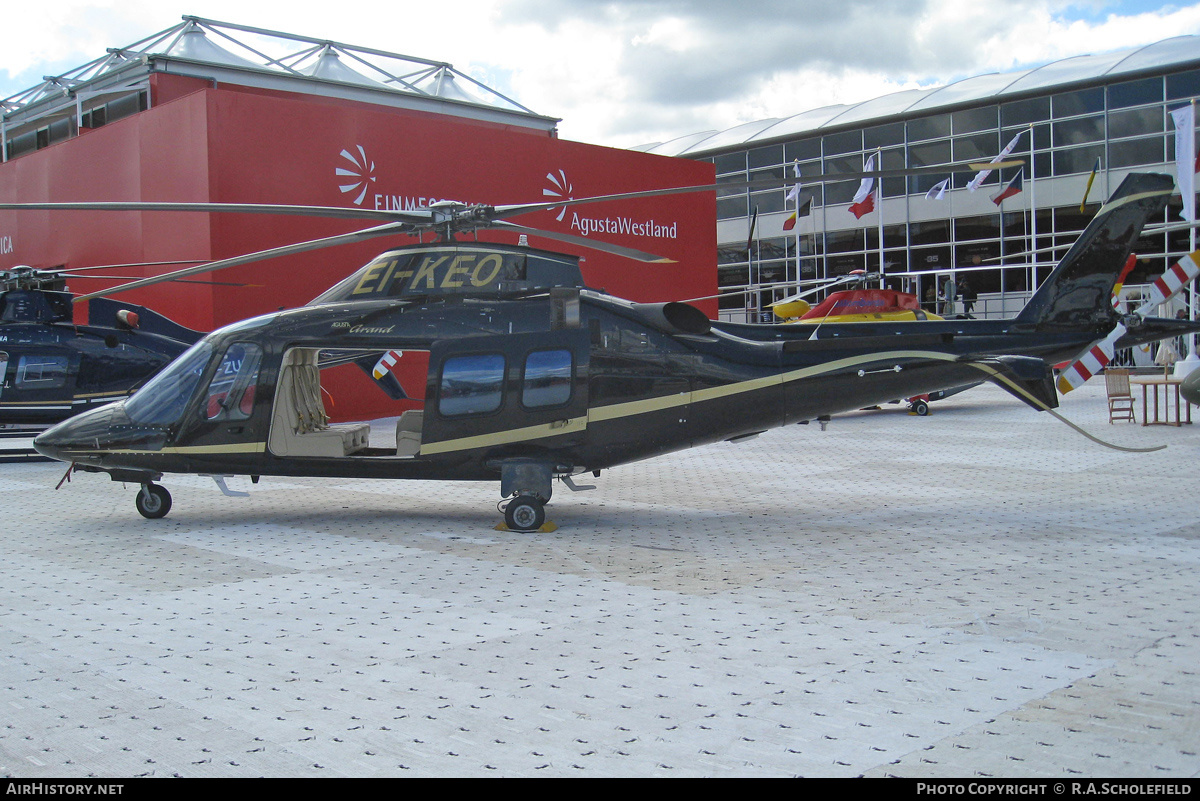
[992,87]
[241,55]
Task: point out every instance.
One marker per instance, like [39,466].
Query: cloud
[627,72]
[719,65]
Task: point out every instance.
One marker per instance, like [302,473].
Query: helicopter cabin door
[39,385]
[514,395]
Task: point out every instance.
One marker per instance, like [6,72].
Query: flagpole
[756,275]
[799,262]
[1032,211]
[1192,249]
[1185,178]
[879,189]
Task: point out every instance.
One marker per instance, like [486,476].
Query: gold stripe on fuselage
[202,450]
[598,414]
[568,426]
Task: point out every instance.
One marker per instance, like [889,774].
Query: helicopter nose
[72,439]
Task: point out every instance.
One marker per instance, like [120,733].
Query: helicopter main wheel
[524,513]
[921,408]
[153,501]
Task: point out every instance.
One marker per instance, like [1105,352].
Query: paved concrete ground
[981,592]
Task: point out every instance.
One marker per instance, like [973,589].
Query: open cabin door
[513,394]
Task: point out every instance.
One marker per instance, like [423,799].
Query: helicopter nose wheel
[919,408]
[153,501]
[524,513]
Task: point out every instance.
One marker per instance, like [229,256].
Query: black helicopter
[51,368]
[532,376]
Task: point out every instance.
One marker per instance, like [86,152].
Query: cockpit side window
[163,400]
[231,391]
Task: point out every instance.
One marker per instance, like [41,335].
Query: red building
[265,117]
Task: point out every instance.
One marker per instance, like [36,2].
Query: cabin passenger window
[231,391]
[471,384]
[41,372]
[547,379]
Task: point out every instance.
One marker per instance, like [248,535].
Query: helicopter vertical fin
[1077,295]
[379,368]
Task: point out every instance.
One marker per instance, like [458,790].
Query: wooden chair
[1120,398]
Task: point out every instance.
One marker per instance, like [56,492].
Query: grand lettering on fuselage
[432,272]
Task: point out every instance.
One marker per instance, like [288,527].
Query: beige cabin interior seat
[408,432]
[299,425]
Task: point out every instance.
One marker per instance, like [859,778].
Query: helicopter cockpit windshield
[162,401]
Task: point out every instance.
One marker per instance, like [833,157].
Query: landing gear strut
[153,501]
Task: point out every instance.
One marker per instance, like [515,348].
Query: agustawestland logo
[357,176]
[559,187]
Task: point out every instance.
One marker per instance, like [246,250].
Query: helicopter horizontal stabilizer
[1028,379]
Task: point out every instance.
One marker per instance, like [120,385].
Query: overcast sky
[631,72]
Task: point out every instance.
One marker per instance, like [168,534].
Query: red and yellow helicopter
[856,304]
[533,377]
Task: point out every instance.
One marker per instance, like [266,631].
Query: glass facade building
[1066,117]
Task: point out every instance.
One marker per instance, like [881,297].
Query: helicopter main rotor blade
[135,278]
[512,210]
[387,229]
[63,270]
[572,239]
[413,217]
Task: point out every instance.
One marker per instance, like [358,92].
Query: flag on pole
[978,180]
[864,198]
[794,192]
[862,207]
[750,238]
[867,183]
[938,191]
[793,196]
[1185,158]
[804,210]
[1014,186]
[1088,190]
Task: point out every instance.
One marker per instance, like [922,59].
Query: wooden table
[1168,385]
